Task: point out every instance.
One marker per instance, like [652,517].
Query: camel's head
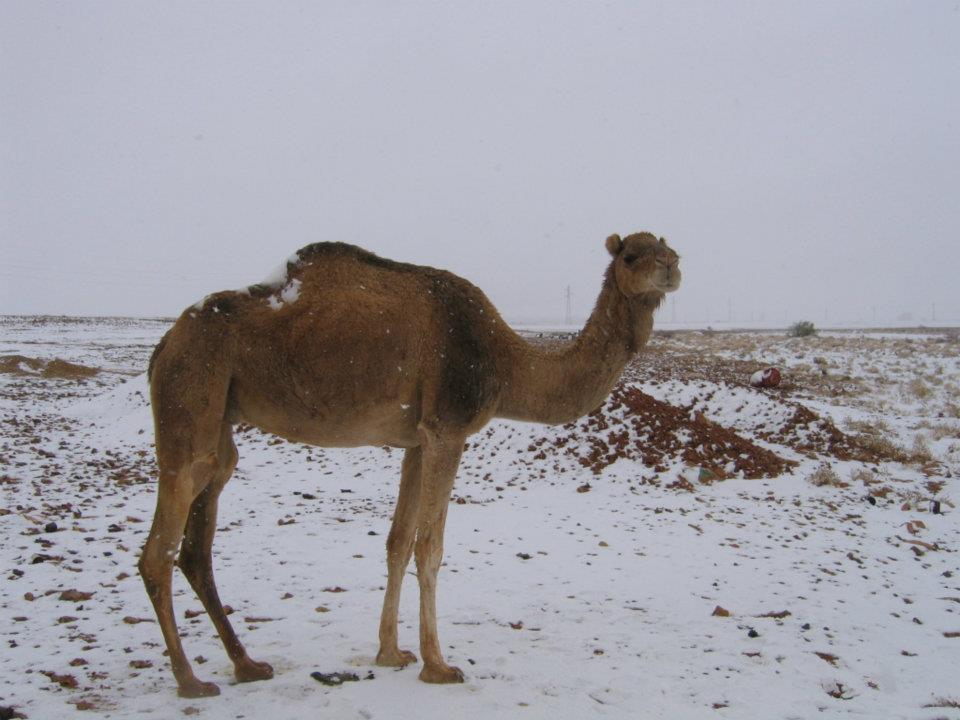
[644,264]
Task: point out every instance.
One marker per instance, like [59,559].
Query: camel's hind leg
[403,530]
[189,401]
[175,495]
[196,561]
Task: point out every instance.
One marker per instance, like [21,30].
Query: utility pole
[568,316]
[673,309]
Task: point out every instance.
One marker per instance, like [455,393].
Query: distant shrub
[873,426]
[920,450]
[919,389]
[825,475]
[862,475]
[880,445]
[804,328]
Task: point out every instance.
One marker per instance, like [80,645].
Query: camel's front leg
[399,548]
[441,456]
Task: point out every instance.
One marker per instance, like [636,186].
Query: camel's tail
[156,351]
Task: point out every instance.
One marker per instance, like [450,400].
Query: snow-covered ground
[578,579]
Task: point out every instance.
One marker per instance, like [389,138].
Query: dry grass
[871,436]
[919,389]
[943,703]
[939,431]
[826,476]
[880,446]
[864,476]
[871,427]
[920,450]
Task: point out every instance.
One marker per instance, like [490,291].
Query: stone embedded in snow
[769,377]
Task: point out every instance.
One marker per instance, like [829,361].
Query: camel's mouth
[667,277]
[669,284]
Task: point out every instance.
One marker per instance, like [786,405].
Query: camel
[343,348]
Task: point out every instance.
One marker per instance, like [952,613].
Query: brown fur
[371,352]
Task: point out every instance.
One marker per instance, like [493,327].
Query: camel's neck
[559,386]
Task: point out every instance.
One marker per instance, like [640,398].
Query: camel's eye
[629,259]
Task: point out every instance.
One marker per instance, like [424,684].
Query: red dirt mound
[633,425]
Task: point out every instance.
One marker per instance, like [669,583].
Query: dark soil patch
[655,433]
[56,368]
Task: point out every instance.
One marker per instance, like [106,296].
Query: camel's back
[342,328]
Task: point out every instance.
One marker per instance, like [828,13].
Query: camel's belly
[374,425]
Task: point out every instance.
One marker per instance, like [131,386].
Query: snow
[610,616]
[278,277]
[287,294]
[291,291]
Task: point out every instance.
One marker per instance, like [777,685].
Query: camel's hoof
[397,658]
[250,671]
[441,674]
[196,689]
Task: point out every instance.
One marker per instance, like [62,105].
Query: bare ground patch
[56,368]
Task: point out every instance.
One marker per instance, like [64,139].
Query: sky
[802,157]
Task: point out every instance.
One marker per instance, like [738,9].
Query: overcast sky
[803,157]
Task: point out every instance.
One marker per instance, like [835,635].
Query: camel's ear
[663,242]
[614,244]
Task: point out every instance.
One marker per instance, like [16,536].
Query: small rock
[334,679]
[66,681]
[768,378]
[705,476]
